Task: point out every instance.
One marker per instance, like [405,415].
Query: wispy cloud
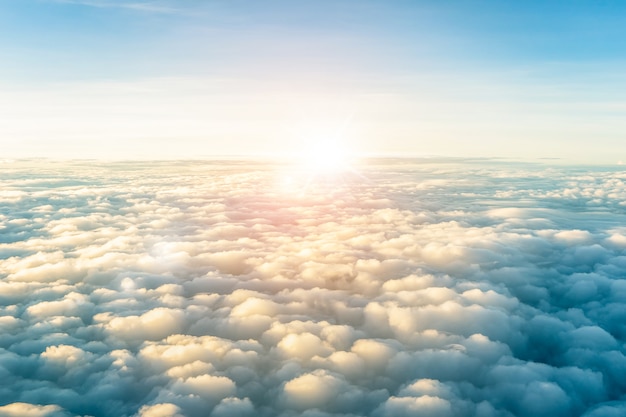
[152,7]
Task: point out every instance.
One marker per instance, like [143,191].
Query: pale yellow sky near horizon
[157,118]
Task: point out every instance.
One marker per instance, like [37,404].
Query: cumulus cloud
[30,410]
[432,288]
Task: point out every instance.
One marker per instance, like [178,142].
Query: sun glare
[325,157]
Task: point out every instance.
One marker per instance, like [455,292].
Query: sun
[325,156]
[320,166]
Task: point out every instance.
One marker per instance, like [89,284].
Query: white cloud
[30,410]
[142,6]
[416,406]
[312,390]
[160,410]
[125,294]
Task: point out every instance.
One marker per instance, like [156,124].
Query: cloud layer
[412,288]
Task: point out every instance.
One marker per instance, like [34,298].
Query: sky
[136,79]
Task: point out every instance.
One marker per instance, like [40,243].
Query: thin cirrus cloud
[146,6]
[407,291]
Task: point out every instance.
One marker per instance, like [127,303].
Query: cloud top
[204,288]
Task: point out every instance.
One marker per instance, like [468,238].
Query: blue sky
[127,79]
